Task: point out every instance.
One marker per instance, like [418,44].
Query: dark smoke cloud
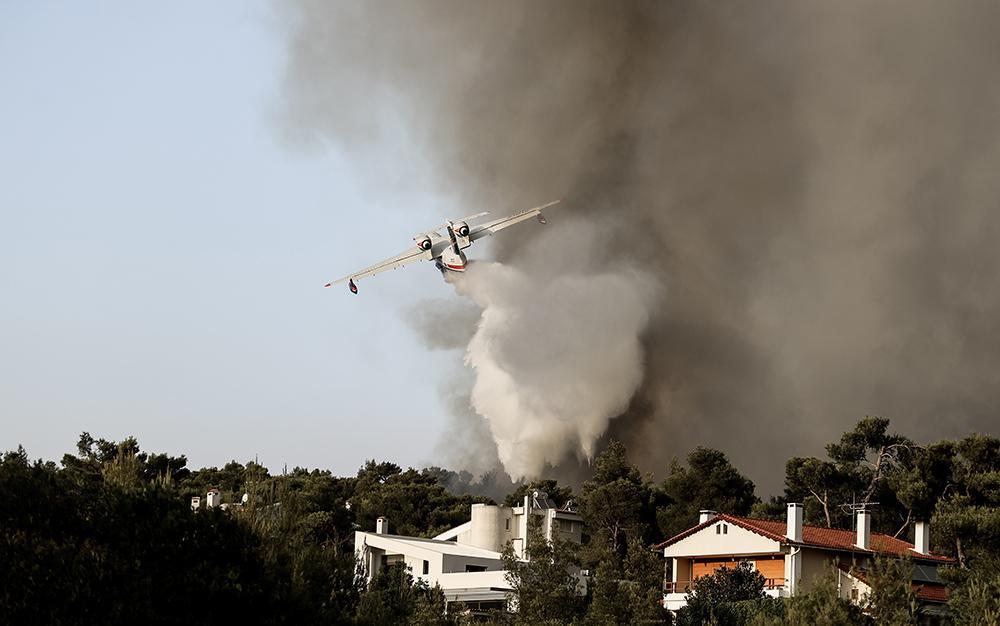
[814,185]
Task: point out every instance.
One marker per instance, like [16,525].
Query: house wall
[722,539]
[852,589]
[479,580]
[568,529]
[455,563]
[492,527]
[416,565]
[815,565]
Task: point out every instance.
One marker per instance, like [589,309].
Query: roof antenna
[855,507]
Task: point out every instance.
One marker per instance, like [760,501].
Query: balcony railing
[683,586]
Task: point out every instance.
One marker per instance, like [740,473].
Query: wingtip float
[446,249]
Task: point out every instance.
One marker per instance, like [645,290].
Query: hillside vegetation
[108,535]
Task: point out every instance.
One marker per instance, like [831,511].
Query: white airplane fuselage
[445,251]
[452,261]
[452,258]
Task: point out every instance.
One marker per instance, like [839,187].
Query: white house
[465,561]
[791,556]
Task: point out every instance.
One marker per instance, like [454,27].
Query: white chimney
[794,530]
[922,538]
[195,503]
[864,530]
[704,515]
[382,526]
[213,499]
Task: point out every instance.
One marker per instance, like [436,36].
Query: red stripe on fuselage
[456,268]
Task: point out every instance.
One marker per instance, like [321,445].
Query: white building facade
[466,560]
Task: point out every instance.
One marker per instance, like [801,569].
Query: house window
[427,567]
[725,529]
[718,529]
[508,523]
[475,568]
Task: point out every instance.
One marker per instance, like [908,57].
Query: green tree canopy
[863,467]
[708,482]
[618,508]
[560,495]
[544,588]
[394,597]
[708,601]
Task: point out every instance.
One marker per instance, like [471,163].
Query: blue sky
[163,250]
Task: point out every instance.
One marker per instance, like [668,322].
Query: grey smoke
[443,324]
[814,183]
[555,358]
[467,443]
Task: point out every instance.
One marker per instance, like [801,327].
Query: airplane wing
[401,259]
[488,228]
[469,218]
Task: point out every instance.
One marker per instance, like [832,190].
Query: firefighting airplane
[445,250]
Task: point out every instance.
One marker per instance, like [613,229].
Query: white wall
[492,527]
[707,542]
[471,580]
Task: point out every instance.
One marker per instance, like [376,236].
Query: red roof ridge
[815,536]
[932,592]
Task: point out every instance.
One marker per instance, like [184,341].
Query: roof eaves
[738,521]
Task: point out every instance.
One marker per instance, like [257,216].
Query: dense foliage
[716,597]
[108,536]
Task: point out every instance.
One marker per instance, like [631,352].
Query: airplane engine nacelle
[461,229]
[424,243]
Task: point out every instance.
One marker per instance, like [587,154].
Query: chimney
[382,526]
[794,530]
[704,515]
[195,503]
[922,538]
[864,530]
[212,498]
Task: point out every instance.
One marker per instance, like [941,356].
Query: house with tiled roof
[792,556]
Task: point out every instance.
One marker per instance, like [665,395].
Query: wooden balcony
[683,586]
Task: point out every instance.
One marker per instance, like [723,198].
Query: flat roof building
[465,561]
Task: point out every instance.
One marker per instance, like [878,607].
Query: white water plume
[555,359]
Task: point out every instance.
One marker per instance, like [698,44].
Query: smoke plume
[555,362]
[810,187]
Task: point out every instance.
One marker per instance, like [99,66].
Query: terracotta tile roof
[932,592]
[928,592]
[815,536]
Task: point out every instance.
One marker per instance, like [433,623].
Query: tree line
[107,536]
